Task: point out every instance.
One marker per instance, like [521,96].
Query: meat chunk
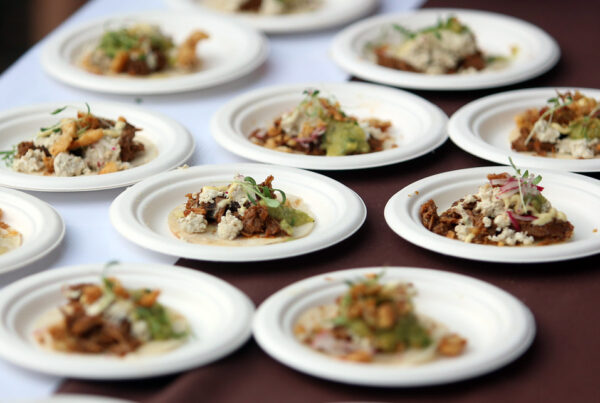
[257,220]
[129,148]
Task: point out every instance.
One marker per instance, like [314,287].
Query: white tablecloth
[293,59]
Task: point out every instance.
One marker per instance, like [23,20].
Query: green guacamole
[289,217]
[344,138]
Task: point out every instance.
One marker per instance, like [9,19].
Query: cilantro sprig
[257,193]
[8,156]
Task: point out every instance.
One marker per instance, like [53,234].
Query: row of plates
[235,49]
[481,128]
[140,215]
[222,318]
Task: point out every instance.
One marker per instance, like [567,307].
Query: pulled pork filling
[140,50]
[242,208]
[84,145]
[568,125]
[374,321]
[447,48]
[506,211]
[109,318]
[318,126]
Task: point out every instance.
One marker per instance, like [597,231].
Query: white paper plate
[41,227]
[140,213]
[332,13]
[231,52]
[483,128]
[576,195]
[498,327]
[173,143]
[496,33]
[219,316]
[418,125]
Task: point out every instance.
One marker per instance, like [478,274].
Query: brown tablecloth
[564,361]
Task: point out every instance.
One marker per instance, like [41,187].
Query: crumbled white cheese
[32,161]
[502,221]
[46,141]
[208,194]
[545,132]
[66,164]
[103,151]
[489,204]
[140,330]
[435,54]
[487,222]
[511,237]
[119,310]
[229,227]
[581,148]
[193,223]
[237,193]
[463,231]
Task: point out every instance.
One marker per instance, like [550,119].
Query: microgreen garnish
[8,156]
[559,101]
[55,128]
[257,193]
[59,110]
[406,32]
[108,284]
[311,92]
[527,183]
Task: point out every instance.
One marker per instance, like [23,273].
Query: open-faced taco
[142,50]
[241,213]
[376,321]
[107,318]
[509,210]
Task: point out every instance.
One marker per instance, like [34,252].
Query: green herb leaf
[59,110]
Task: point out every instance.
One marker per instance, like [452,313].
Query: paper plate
[172,142]
[218,314]
[483,128]
[330,14]
[140,213]
[231,52]
[575,195]
[417,125]
[497,326]
[496,34]
[41,228]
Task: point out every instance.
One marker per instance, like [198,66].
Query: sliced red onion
[513,220]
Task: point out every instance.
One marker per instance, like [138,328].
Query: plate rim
[124,220]
[185,142]
[344,58]
[228,138]
[409,230]
[36,253]
[234,294]
[459,130]
[270,24]
[284,298]
[59,69]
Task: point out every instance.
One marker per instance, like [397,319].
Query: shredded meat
[475,60]
[383,59]
[25,146]
[82,333]
[129,148]
[256,220]
[251,5]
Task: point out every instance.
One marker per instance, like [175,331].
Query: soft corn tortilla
[210,237]
[321,317]
[54,317]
